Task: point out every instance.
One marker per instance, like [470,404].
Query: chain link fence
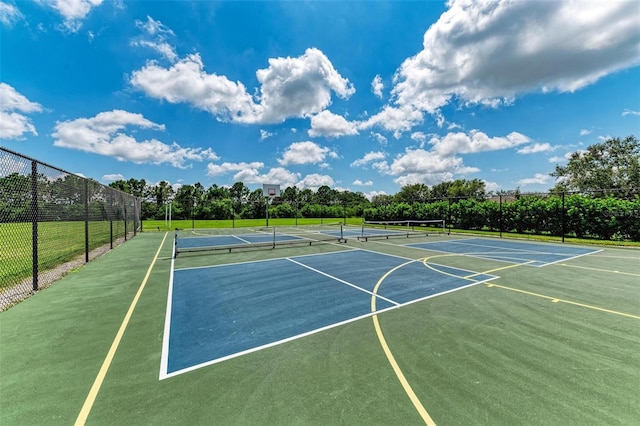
[52,221]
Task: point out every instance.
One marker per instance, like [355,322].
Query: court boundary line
[167,375]
[164,374]
[515,251]
[102,373]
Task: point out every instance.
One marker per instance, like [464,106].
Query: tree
[416,193]
[459,188]
[612,164]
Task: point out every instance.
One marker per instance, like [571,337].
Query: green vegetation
[58,242]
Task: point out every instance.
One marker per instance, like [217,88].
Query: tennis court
[426,329]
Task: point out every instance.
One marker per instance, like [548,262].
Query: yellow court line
[95,388]
[515,265]
[385,347]
[600,270]
[403,380]
[557,300]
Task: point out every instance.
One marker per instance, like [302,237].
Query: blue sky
[362,95]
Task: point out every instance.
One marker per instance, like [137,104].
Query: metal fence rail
[52,221]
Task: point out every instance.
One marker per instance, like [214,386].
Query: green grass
[58,242]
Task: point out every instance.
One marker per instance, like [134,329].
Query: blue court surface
[219,312]
[230,240]
[533,254]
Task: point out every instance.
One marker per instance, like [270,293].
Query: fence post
[500,218]
[34,223]
[86,221]
[563,221]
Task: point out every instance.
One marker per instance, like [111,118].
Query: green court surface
[550,341]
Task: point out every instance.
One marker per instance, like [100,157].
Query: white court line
[241,239]
[343,282]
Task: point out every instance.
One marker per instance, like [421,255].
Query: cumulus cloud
[394,119]
[630,112]
[13,123]
[429,167]
[73,11]
[252,173]
[536,147]
[304,153]
[315,181]
[328,124]
[9,14]
[358,182]
[369,158]
[187,82]
[105,134]
[377,86]
[488,52]
[112,177]
[538,179]
[475,141]
[289,87]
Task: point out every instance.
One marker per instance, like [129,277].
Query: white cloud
[276,175]
[290,87]
[73,11]
[299,87]
[158,32]
[358,182]
[491,186]
[304,153]
[315,181]
[585,132]
[475,141]
[187,82]
[224,168]
[112,177]
[9,14]
[488,52]
[394,119]
[368,158]
[264,134]
[630,112]
[565,157]
[379,138]
[377,86]
[13,124]
[538,179]
[536,147]
[251,173]
[329,124]
[421,166]
[104,135]
[372,194]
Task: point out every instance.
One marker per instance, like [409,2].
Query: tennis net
[202,240]
[401,228]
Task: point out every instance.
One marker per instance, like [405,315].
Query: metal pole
[34,223]
[500,218]
[563,222]
[86,221]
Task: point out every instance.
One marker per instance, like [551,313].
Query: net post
[341,233]
[274,237]
[175,244]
